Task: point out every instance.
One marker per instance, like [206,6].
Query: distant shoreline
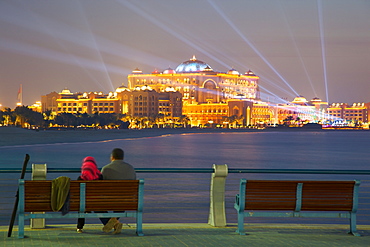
[11,136]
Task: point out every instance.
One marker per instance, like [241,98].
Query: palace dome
[66,91]
[250,72]
[122,89]
[316,99]
[233,71]
[193,65]
[300,100]
[169,71]
[137,71]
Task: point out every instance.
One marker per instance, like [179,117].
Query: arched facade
[209,92]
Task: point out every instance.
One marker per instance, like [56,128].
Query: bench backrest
[300,195]
[101,195]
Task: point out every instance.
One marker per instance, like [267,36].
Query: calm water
[316,150]
[285,149]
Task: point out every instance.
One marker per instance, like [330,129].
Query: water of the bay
[285,149]
[335,150]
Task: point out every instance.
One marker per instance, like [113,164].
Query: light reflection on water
[311,150]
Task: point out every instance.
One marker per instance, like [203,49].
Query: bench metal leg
[139,224]
[21,226]
[240,229]
[353,229]
[21,210]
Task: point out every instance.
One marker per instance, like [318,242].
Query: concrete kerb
[229,227]
[189,234]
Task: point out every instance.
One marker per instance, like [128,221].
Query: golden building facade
[205,92]
[193,89]
[355,113]
[139,102]
[92,102]
[198,83]
[263,114]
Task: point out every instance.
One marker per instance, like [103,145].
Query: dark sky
[313,48]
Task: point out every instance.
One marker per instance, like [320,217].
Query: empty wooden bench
[84,196]
[271,198]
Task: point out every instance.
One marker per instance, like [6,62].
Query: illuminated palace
[208,97]
[193,89]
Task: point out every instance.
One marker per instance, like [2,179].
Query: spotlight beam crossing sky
[310,48]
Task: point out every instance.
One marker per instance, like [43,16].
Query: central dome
[193,65]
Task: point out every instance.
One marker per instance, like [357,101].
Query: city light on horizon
[296,48]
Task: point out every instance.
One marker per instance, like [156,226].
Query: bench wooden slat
[99,195]
[337,194]
[38,194]
[267,195]
[293,196]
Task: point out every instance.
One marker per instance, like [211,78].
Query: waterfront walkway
[174,235]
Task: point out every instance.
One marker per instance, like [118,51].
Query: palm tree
[26,117]
[85,119]
[2,117]
[233,120]
[288,120]
[226,120]
[184,120]
[152,120]
[160,120]
[48,118]
[66,120]
[9,116]
[239,120]
[127,120]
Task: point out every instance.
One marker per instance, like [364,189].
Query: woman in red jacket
[89,171]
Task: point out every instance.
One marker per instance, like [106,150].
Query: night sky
[313,48]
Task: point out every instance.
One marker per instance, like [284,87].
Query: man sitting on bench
[116,170]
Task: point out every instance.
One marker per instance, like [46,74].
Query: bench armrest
[237,199]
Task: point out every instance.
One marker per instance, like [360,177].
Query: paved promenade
[173,235]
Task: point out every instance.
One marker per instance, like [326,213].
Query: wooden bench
[271,198]
[85,196]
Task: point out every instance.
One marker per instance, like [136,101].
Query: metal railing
[183,195]
[207,170]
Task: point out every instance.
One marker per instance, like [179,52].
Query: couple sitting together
[116,170]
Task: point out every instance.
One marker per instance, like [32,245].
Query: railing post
[217,215]
[38,173]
